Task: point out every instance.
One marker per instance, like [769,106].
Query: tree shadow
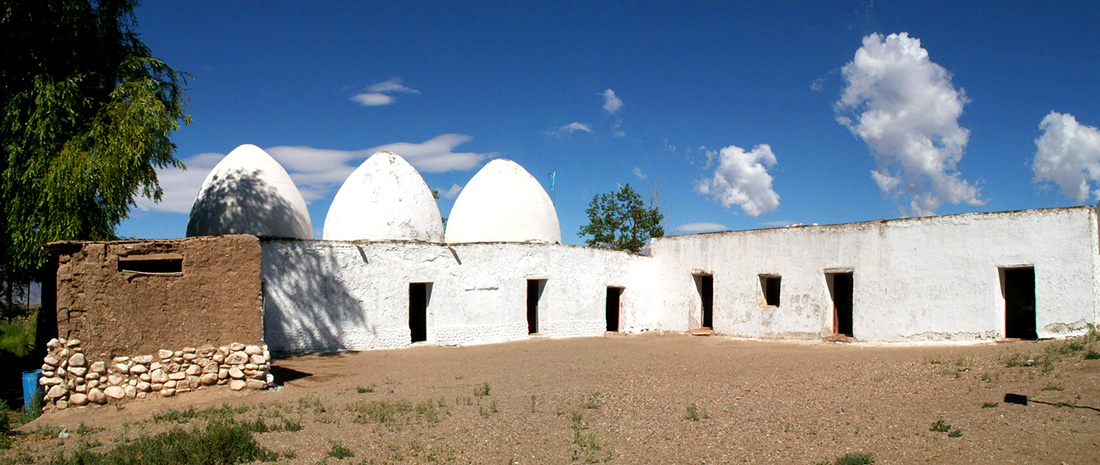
[242,202]
[307,307]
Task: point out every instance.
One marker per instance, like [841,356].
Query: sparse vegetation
[940,426]
[219,442]
[482,390]
[851,458]
[591,401]
[586,446]
[955,433]
[338,451]
[696,413]
[395,414]
[991,405]
[1054,387]
[365,390]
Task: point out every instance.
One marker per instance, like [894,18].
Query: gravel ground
[658,398]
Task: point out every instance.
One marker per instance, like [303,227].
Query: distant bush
[219,443]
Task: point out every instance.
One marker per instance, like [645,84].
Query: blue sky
[742,114]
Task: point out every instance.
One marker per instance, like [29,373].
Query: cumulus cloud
[372,99]
[570,128]
[700,227]
[611,102]
[380,93]
[1068,154]
[906,109]
[317,172]
[741,178]
[450,193]
[639,173]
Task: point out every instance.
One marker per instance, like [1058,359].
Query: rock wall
[71,379]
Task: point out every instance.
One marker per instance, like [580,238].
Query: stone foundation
[71,379]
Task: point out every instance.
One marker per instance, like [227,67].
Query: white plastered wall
[335,295]
[921,279]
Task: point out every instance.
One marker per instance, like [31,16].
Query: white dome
[385,198]
[503,203]
[248,192]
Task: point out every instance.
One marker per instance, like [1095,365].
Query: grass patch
[991,405]
[395,414]
[851,458]
[338,451]
[591,401]
[17,335]
[696,413]
[955,433]
[1091,354]
[1054,387]
[586,446]
[219,442]
[225,412]
[940,426]
[365,390]
[482,390]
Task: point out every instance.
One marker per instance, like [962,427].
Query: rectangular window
[162,264]
[769,285]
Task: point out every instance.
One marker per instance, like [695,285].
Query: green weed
[696,413]
[482,390]
[338,451]
[990,405]
[955,433]
[940,426]
[219,442]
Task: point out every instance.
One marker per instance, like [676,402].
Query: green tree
[621,220]
[87,115]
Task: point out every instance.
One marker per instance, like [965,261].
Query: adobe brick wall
[215,301]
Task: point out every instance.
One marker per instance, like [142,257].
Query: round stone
[115,392]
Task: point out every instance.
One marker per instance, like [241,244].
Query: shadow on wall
[307,308]
[242,202]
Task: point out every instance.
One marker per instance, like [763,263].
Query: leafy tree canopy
[86,117]
[621,220]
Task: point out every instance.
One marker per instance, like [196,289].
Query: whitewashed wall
[335,295]
[921,279]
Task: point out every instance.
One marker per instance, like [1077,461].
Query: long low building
[391,276]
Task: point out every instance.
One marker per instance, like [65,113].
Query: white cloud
[906,110]
[317,172]
[392,85]
[639,173]
[378,94]
[742,179]
[570,128]
[611,102]
[1068,154]
[373,99]
[450,193]
[701,227]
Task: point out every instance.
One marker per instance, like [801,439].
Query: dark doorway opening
[704,283]
[534,293]
[419,295]
[769,285]
[614,294]
[1018,288]
[840,288]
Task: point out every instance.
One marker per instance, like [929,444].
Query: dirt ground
[667,398]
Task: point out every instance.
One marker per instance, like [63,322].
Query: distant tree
[621,220]
[85,118]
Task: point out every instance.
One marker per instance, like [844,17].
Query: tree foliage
[87,115]
[621,220]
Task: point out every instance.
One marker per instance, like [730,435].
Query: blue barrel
[30,387]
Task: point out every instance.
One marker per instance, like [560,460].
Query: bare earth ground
[626,399]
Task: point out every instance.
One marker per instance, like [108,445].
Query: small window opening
[769,285]
[166,264]
[419,296]
[614,295]
[704,284]
[534,293]
[1018,288]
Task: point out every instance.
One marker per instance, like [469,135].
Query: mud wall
[919,279]
[335,295]
[128,298]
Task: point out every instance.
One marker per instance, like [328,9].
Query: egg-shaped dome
[384,199]
[503,203]
[248,192]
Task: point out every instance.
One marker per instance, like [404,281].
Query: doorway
[840,289]
[614,295]
[419,295]
[704,284]
[534,293]
[1018,289]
